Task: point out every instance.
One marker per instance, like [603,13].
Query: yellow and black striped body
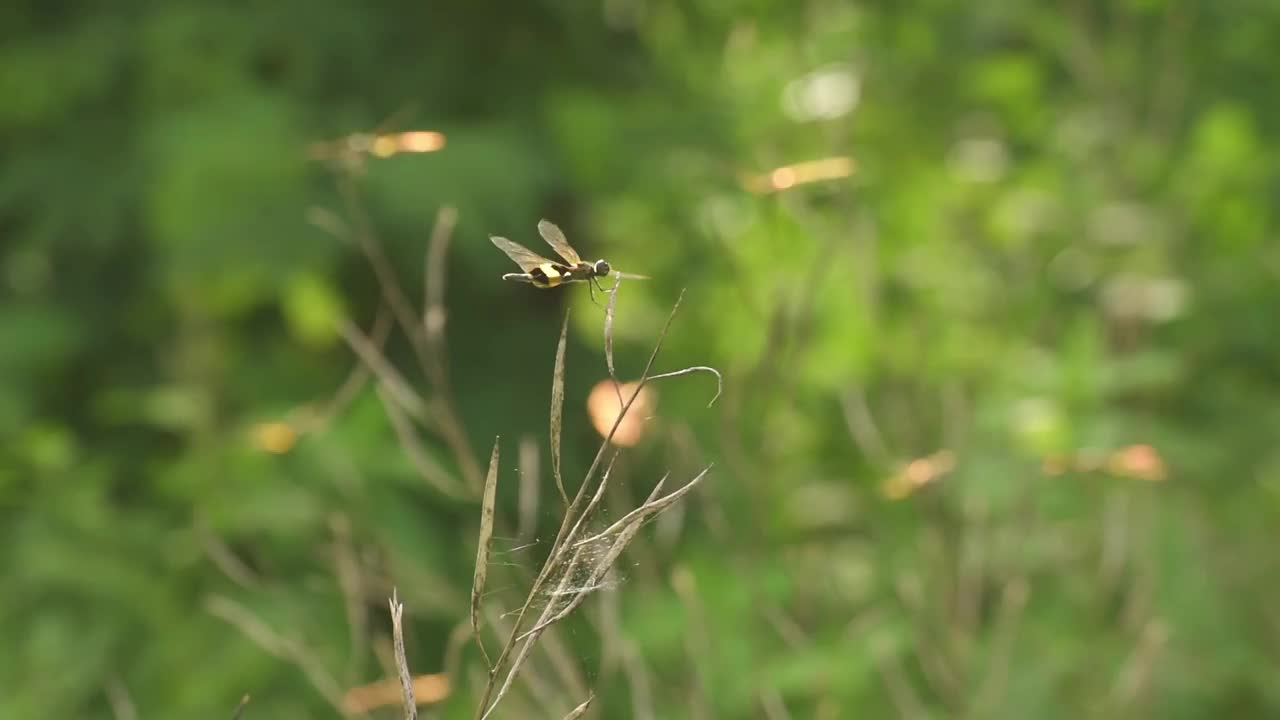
[548,275]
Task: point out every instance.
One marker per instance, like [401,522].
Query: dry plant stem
[551,616]
[608,338]
[568,527]
[536,686]
[581,709]
[694,369]
[483,547]
[577,500]
[557,409]
[402,665]
[597,573]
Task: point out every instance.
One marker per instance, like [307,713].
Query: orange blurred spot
[789,176]
[429,688]
[603,408]
[783,178]
[1140,461]
[421,141]
[918,473]
[275,437]
[414,141]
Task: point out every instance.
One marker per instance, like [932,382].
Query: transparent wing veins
[519,254]
[556,239]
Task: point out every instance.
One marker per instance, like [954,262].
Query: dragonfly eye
[602,267]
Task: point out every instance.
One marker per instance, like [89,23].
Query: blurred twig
[427,467]
[121,702]
[384,370]
[285,648]
[426,334]
[351,581]
[239,711]
[697,639]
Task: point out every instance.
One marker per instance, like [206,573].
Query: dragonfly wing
[527,259]
[555,238]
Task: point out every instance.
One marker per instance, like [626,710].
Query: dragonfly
[540,272]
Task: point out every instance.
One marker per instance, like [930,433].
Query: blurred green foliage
[1001,428]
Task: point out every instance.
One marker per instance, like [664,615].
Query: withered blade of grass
[483,546]
[402,665]
[694,369]
[608,338]
[649,508]
[557,408]
[568,526]
[371,356]
[527,505]
[581,709]
[431,471]
[244,701]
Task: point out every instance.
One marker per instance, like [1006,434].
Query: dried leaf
[557,409]
[484,544]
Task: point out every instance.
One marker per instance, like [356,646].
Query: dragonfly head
[601,268]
